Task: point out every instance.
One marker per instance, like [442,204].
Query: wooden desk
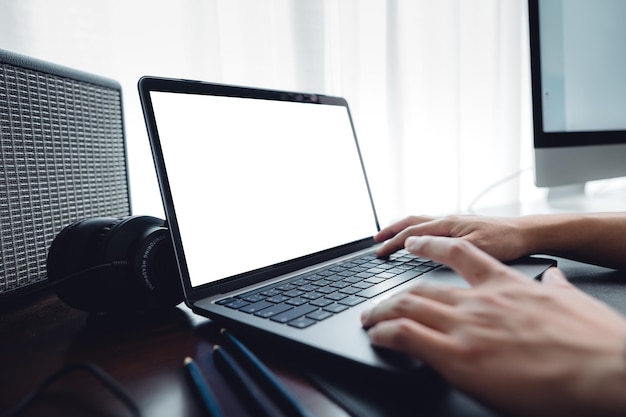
[145,355]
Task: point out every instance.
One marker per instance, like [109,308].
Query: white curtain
[439,89]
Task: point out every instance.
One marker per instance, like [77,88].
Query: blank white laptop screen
[258,182]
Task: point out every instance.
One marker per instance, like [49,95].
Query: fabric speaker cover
[63,156]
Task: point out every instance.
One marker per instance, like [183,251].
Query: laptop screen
[258,182]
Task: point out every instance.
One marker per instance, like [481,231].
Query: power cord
[93,370]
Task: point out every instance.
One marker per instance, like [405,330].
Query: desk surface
[145,354]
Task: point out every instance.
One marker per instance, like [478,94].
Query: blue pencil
[202,388]
[264,377]
[242,384]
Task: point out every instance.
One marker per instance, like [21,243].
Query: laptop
[271,217]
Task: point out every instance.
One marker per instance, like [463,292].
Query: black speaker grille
[63,159]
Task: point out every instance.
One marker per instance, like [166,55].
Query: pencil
[241,384]
[202,388]
[265,377]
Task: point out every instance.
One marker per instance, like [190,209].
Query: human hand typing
[527,347]
[502,238]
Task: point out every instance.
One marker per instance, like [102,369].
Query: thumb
[555,278]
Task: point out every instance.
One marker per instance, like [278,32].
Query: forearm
[598,238]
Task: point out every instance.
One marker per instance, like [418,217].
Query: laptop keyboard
[307,299]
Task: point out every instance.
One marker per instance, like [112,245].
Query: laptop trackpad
[530,267]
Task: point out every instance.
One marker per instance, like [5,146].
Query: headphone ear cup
[77,248]
[153,280]
[148,278]
[155,265]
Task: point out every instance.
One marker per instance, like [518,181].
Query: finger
[442,293]
[393,229]
[424,226]
[428,312]
[476,266]
[553,277]
[391,246]
[414,339]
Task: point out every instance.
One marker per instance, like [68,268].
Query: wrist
[550,234]
[531,230]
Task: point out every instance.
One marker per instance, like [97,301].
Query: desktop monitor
[578,78]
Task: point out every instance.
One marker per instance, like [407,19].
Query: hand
[518,345]
[502,238]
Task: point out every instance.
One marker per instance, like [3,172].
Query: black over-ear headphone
[105,264]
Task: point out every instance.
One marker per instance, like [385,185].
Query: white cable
[496,184]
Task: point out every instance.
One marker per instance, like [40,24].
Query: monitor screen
[578,62]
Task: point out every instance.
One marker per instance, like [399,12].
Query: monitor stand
[564,192]
[574,198]
[592,197]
